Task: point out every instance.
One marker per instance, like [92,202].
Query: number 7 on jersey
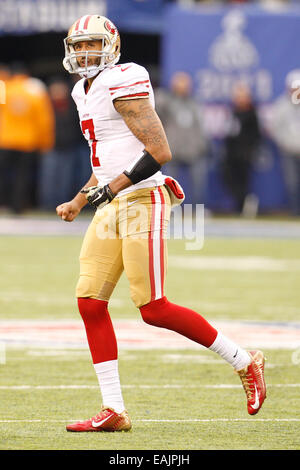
[88,125]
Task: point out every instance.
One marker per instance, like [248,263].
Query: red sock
[188,323]
[99,329]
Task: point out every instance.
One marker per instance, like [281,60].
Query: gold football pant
[128,234]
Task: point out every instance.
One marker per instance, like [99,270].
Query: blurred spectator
[4,72]
[241,143]
[284,128]
[181,117]
[4,77]
[57,167]
[26,129]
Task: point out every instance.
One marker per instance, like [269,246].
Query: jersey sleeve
[129,81]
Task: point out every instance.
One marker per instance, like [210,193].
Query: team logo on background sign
[232,57]
[232,50]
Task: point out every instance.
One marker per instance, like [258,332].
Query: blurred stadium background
[247,275]
[218,43]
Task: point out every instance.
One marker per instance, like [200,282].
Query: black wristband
[109,193]
[145,167]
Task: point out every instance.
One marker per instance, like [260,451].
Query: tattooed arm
[144,123]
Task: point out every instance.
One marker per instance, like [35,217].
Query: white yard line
[213,420]
[146,421]
[133,386]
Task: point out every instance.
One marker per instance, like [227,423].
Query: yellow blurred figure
[27,121]
[27,129]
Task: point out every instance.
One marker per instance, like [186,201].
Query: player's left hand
[99,196]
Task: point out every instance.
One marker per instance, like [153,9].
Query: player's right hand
[68,211]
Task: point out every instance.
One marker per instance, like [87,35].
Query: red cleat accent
[107,420]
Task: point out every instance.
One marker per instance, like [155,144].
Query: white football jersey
[113,146]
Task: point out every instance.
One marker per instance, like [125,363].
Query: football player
[130,193]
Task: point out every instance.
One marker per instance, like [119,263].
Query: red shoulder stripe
[126,86]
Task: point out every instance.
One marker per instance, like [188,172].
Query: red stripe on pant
[156,245]
[161,240]
[150,245]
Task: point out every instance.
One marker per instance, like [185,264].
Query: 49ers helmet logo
[110,27]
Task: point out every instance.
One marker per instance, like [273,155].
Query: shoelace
[247,384]
[103,413]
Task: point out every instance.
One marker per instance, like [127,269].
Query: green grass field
[177,399]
